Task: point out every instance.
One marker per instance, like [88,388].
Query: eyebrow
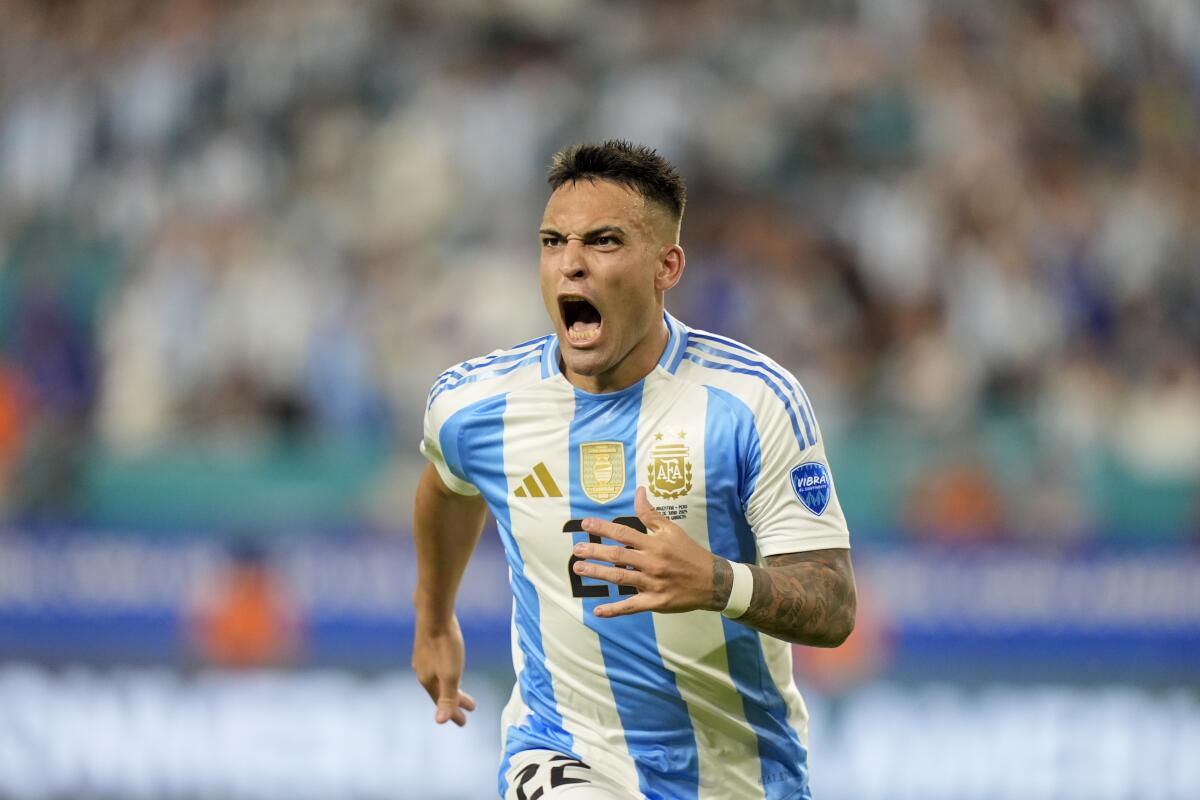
[589,235]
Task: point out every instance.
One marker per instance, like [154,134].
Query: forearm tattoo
[722,581]
[805,598]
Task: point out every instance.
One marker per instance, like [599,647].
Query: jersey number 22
[578,587]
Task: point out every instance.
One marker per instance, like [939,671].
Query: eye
[551,241]
[606,241]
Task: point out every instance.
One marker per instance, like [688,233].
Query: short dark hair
[633,165]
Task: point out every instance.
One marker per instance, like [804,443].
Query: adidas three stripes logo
[538,483]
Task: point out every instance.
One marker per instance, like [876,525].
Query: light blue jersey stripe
[761,359]
[755,360]
[475,364]
[704,362]
[531,357]
[676,342]
[479,430]
[467,367]
[732,459]
[550,358]
[658,728]
[470,365]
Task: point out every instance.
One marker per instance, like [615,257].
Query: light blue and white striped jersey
[676,706]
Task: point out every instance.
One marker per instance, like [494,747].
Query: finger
[631,606]
[612,553]
[447,702]
[611,530]
[647,513]
[466,701]
[621,577]
[448,711]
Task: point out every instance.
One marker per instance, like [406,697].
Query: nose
[573,262]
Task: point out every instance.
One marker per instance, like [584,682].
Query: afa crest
[669,471]
[602,470]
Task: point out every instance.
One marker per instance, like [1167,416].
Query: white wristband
[741,591]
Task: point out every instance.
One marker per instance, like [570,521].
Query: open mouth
[581,319]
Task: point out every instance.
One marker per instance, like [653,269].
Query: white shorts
[547,775]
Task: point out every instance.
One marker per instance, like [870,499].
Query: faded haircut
[633,165]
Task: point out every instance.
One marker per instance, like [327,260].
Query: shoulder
[748,374]
[498,373]
[748,377]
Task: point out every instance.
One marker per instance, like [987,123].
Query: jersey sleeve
[793,506]
[440,445]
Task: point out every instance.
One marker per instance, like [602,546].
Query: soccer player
[667,513]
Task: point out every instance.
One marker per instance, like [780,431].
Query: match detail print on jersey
[538,483]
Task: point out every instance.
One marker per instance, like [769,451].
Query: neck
[637,364]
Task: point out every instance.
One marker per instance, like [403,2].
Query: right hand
[438,659]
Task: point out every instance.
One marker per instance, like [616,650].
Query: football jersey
[690,705]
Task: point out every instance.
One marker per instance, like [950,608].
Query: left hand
[670,571]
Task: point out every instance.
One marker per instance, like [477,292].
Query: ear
[670,267]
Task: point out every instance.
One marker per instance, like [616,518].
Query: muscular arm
[806,598]
[446,528]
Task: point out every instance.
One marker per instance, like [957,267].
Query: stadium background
[238,240]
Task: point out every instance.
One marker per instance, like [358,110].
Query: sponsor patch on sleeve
[810,482]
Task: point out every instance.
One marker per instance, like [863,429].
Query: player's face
[607,257]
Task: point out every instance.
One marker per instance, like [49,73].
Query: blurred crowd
[269,220]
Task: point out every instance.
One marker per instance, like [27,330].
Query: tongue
[582,326]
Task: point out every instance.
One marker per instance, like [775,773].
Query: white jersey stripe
[776,369]
[533,356]
[494,359]
[773,376]
[472,364]
[706,361]
[585,698]
[726,742]
[535,681]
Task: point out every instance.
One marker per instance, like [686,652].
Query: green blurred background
[239,240]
